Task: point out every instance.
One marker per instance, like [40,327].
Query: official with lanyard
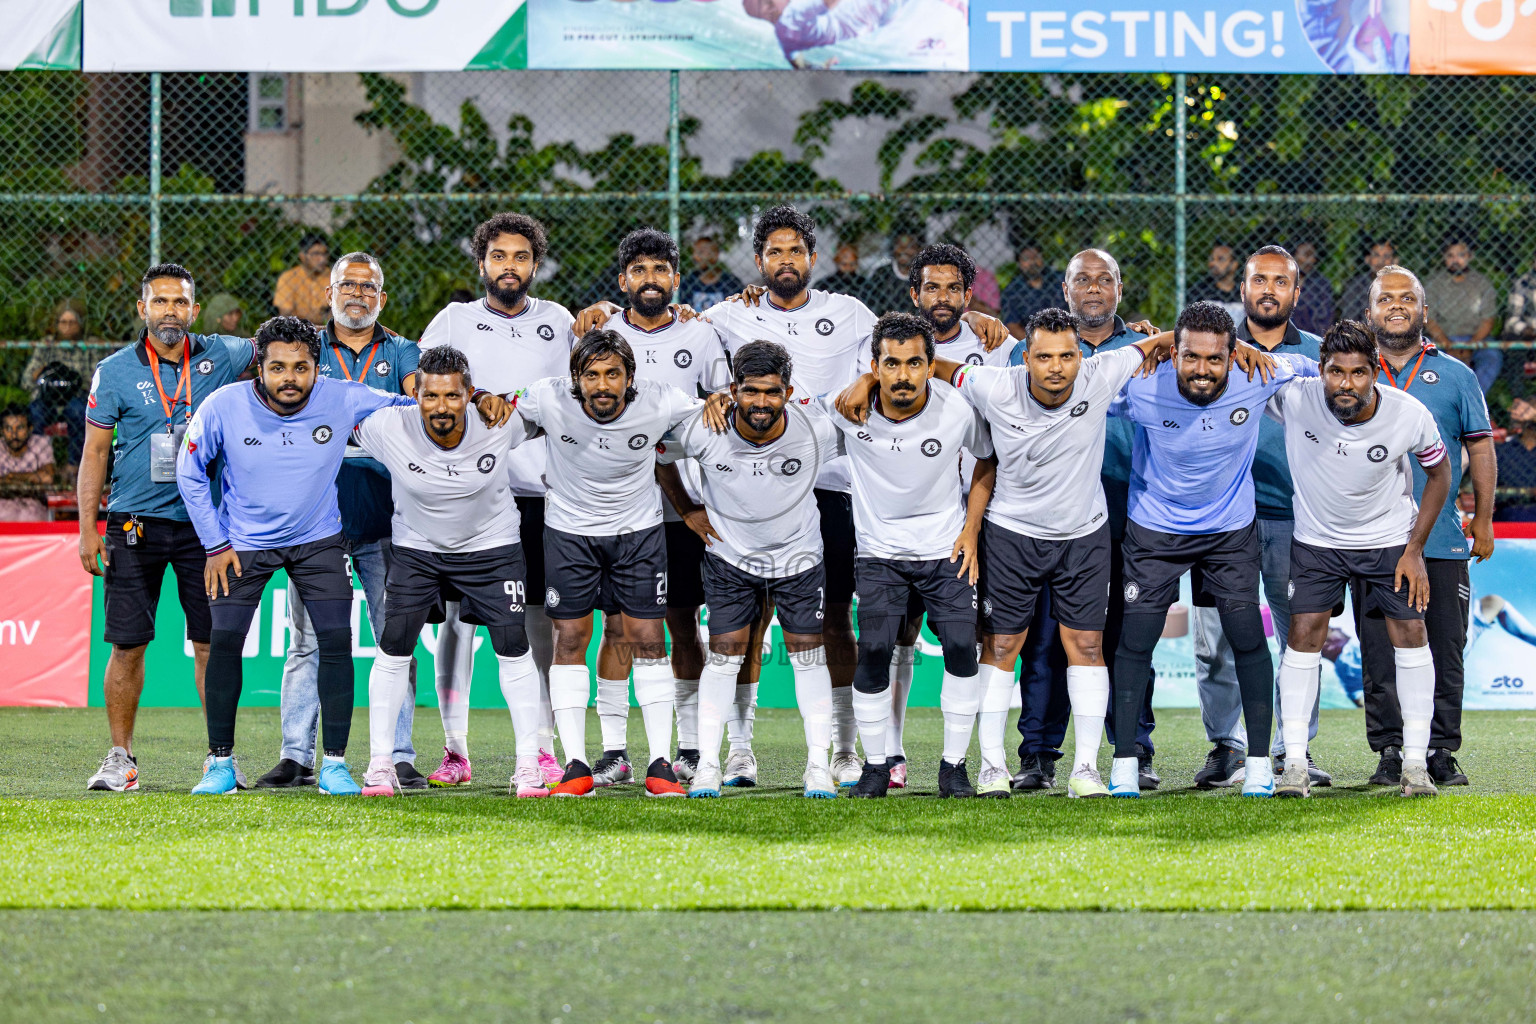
[354,347]
[1450,391]
[142,398]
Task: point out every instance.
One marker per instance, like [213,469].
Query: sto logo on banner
[1474,37]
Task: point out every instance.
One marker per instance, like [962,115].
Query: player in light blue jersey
[280,440]
[1191,507]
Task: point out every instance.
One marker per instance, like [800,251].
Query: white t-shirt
[602,476]
[966,347]
[506,354]
[686,354]
[827,339]
[1353,482]
[761,499]
[446,499]
[1049,460]
[907,500]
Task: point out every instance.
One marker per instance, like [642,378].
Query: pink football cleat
[529,779]
[454,771]
[553,772]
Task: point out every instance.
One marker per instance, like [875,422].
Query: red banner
[45,616]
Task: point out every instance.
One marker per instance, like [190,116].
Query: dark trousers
[1043,672]
[1450,595]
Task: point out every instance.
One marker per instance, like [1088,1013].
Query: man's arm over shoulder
[202,444]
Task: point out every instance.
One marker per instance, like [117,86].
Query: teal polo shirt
[1272,490]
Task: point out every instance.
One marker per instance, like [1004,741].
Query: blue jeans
[1221,704]
[300,694]
[1043,680]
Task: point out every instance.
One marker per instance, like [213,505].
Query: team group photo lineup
[668,481]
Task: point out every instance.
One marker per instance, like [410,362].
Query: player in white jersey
[763,531]
[1348,441]
[511,339]
[917,539]
[603,538]
[687,354]
[455,537]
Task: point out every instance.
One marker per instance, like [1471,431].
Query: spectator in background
[57,376]
[300,290]
[1033,288]
[1517,466]
[846,280]
[708,282]
[986,295]
[1314,302]
[1221,284]
[26,461]
[1463,308]
[1520,325]
[1357,293]
[889,288]
[222,315]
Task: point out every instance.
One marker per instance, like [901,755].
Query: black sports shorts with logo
[134,573]
[885,589]
[581,574]
[1016,567]
[320,571]
[488,584]
[735,598]
[1227,563]
[1318,576]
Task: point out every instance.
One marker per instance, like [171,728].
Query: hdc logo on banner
[322,8]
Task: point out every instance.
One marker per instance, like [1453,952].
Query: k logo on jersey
[639,441]
[824,327]
[205,366]
[487,463]
[790,467]
[682,359]
[931,447]
[1239,417]
[546,332]
[321,434]
[382,369]
[1078,409]
[1429,377]
[1377,453]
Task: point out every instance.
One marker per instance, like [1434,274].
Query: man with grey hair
[353,346]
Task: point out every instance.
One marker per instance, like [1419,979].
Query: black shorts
[488,585]
[886,586]
[583,573]
[837,542]
[685,567]
[320,571]
[1318,576]
[735,598]
[1016,567]
[531,533]
[134,574]
[1228,564]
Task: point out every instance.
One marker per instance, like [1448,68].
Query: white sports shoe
[741,769]
[1124,778]
[818,783]
[846,768]
[528,780]
[706,781]
[380,778]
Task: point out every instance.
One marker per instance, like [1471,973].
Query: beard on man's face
[942,315]
[786,283]
[1200,397]
[1267,312]
[1399,334]
[508,289]
[649,301]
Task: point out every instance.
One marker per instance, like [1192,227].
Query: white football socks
[520,687]
[1088,692]
[872,712]
[388,681]
[813,695]
[541,643]
[743,712]
[1298,689]
[685,698]
[653,692]
[959,699]
[902,662]
[454,666]
[613,712]
[717,685]
[1415,700]
[568,689]
[844,728]
[996,688]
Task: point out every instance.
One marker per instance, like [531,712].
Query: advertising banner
[304,35]
[1260,36]
[891,35]
[45,618]
[1474,37]
[40,34]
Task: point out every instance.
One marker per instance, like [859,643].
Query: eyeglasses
[367,288]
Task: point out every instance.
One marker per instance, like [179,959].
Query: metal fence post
[674,146]
[154,168]
[1180,130]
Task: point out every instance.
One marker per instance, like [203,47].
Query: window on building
[269,103]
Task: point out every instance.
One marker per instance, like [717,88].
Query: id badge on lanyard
[163,444]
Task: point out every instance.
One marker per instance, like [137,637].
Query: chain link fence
[229,173]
